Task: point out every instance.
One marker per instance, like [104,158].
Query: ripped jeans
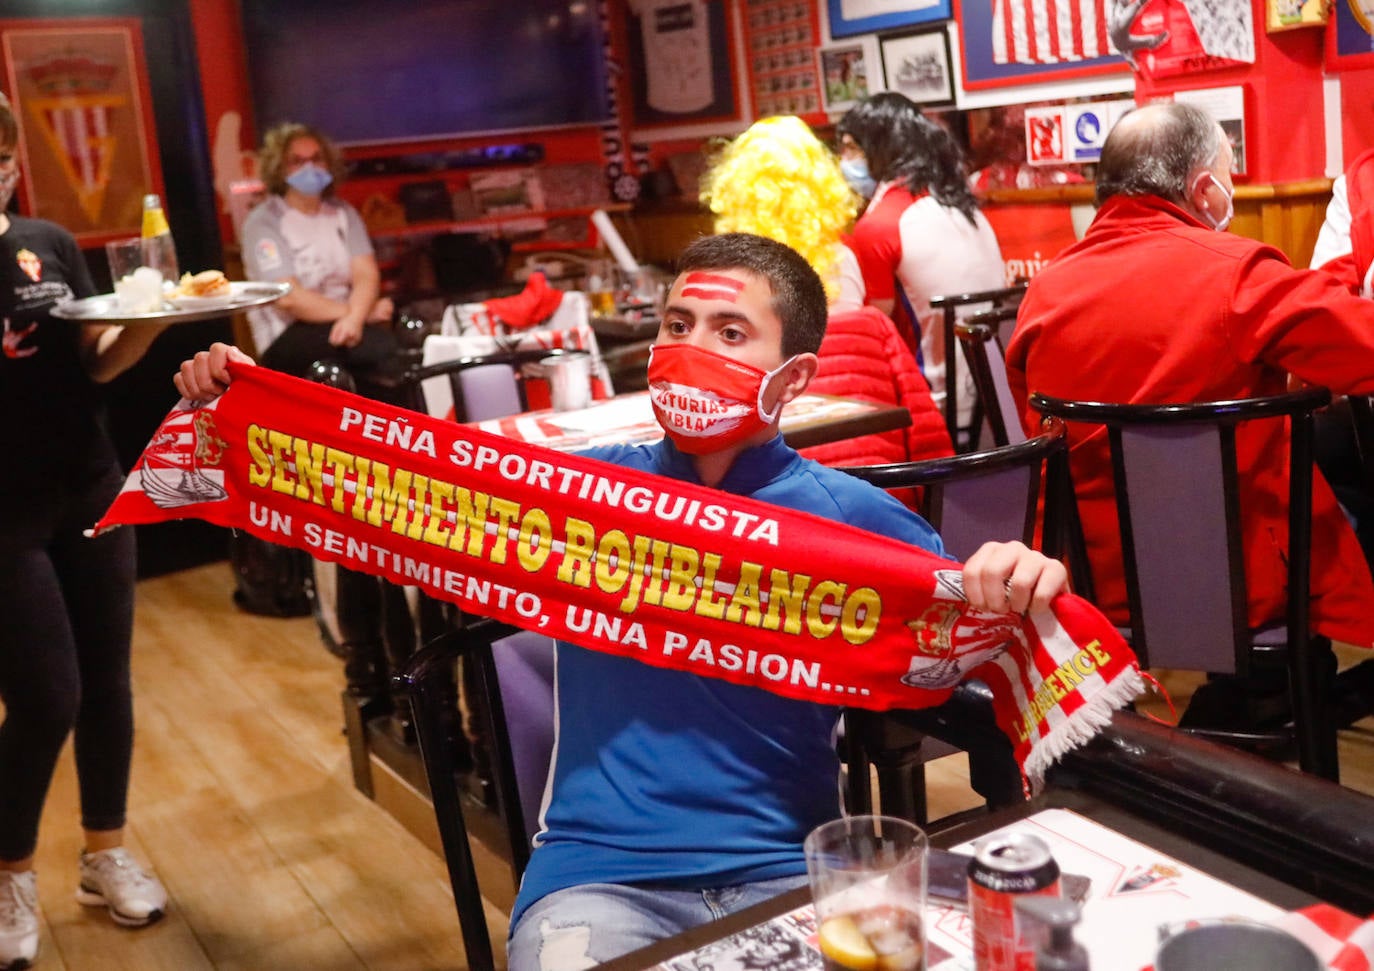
[580,927]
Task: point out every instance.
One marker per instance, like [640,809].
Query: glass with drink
[602,281]
[868,881]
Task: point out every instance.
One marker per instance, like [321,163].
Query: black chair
[983,340]
[1178,506]
[514,674]
[970,499]
[1362,416]
[952,307]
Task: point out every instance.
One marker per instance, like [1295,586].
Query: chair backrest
[515,678]
[952,307]
[971,499]
[489,391]
[983,338]
[523,667]
[1178,507]
[475,388]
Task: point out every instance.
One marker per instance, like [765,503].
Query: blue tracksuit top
[668,778]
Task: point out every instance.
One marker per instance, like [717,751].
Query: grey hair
[1156,156]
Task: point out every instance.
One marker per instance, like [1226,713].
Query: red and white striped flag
[1048,31]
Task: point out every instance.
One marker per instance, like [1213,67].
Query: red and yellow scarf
[613,559]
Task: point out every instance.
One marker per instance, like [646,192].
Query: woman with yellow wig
[779,180]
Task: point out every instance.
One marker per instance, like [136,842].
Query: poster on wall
[1227,106]
[850,17]
[87,149]
[917,65]
[1172,37]
[1280,15]
[1014,42]
[1071,133]
[1351,43]
[782,56]
[844,75]
[681,71]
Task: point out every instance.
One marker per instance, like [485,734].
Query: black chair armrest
[1308,831]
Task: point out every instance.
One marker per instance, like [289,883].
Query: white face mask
[1219,224]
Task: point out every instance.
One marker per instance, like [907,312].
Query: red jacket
[1349,229]
[863,357]
[1153,307]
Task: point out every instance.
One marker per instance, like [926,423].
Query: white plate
[200,303]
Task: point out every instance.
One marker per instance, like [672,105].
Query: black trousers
[371,363]
[66,621]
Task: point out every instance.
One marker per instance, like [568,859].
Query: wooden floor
[242,801]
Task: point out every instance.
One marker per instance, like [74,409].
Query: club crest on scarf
[174,471]
[952,640]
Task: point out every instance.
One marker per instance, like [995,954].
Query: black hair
[1155,154]
[798,294]
[903,145]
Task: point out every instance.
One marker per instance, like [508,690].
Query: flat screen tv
[364,71]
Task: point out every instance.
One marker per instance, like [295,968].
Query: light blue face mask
[309,179]
[855,172]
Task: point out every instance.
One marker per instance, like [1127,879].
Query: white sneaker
[18,919]
[112,879]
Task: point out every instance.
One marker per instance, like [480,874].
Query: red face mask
[707,402]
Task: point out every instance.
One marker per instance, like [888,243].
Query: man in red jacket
[1156,304]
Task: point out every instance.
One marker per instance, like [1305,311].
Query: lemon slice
[842,941]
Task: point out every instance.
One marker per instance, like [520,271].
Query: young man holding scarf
[674,798]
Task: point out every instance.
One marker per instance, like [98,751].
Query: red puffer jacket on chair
[862,356]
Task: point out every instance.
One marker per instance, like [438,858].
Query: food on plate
[208,283]
[140,292]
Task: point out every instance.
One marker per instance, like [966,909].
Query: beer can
[1005,867]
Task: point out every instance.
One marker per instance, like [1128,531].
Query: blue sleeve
[839,496]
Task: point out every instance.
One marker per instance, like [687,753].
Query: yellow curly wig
[778,180]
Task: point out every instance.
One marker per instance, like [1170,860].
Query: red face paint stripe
[712,286]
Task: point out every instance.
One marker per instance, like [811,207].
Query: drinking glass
[602,281]
[137,287]
[125,256]
[868,881]
[569,380]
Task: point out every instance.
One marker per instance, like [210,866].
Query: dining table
[811,419]
[1169,829]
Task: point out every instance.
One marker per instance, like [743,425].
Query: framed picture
[917,65]
[1350,43]
[784,72]
[844,75]
[994,56]
[87,144]
[851,17]
[1280,15]
[681,64]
